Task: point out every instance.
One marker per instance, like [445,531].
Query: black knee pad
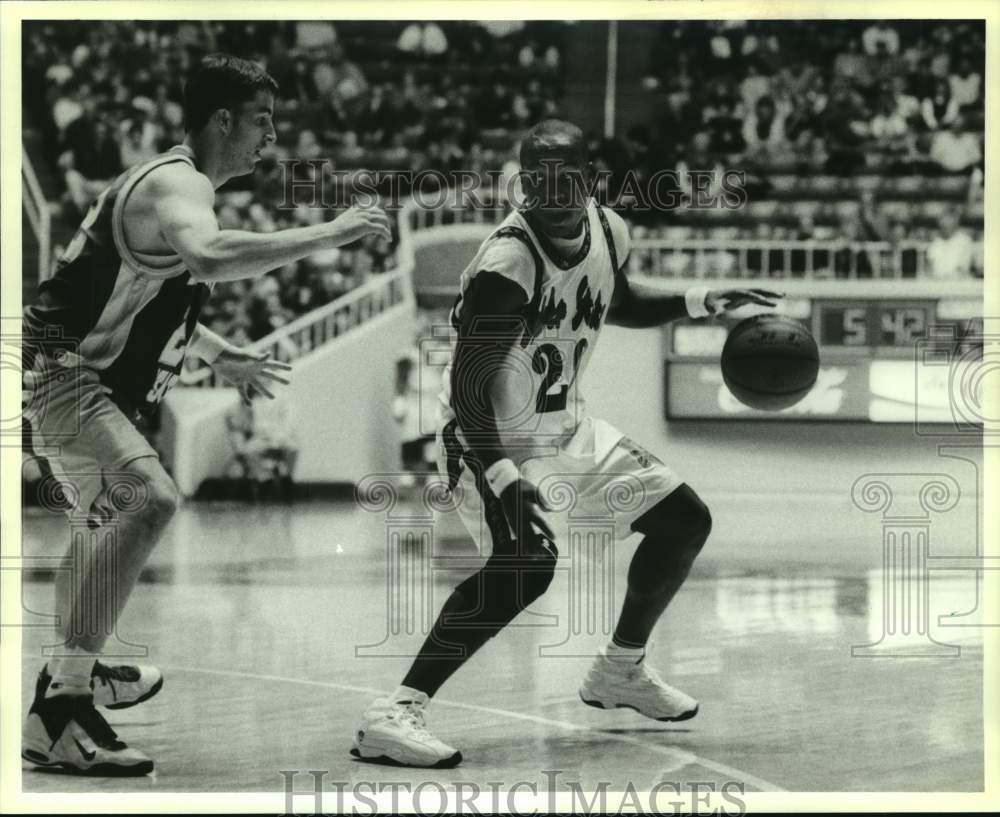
[680,514]
[505,586]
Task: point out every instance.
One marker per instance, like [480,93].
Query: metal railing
[327,323]
[322,325]
[816,260]
[667,258]
[39,216]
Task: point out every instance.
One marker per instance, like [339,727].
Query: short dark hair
[222,81]
[554,136]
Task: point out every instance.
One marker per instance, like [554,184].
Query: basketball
[770,362]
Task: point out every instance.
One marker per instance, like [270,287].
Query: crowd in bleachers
[375,94]
[852,130]
[387,94]
[849,130]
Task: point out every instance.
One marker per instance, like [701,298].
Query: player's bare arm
[493,323]
[639,306]
[183,202]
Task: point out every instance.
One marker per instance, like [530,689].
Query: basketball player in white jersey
[527,319]
[103,343]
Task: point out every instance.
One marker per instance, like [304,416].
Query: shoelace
[96,727]
[412,715]
[123,672]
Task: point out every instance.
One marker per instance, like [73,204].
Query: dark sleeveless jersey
[128,316]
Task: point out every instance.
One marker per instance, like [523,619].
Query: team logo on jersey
[588,310]
[550,314]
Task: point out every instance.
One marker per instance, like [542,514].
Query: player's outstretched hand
[719,301]
[250,373]
[357,222]
[523,507]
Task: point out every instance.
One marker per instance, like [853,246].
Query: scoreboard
[872,324]
[880,361]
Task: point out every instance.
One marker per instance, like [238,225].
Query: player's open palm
[524,509]
[357,222]
[250,373]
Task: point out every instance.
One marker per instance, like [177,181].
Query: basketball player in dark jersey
[103,343]
[530,309]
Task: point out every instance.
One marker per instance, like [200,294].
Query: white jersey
[536,395]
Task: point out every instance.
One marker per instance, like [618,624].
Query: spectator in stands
[905,104]
[341,82]
[888,127]
[80,190]
[904,259]
[350,152]
[852,260]
[726,137]
[845,126]
[501,28]
[424,39]
[965,85]
[920,81]
[135,147]
[851,64]
[813,155]
[93,145]
[950,253]
[675,124]
[754,86]
[764,128]
[880,37]
[265,448]
[939,108]
[268,314]
[805,260]
[872,223]
[315,34]
[956,150]
[882,66]
[917,159]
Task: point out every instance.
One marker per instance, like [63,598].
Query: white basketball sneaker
[67,733]
[395,731]
[124,685]
[613,683]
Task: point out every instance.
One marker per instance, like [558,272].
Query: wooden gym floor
[271,624]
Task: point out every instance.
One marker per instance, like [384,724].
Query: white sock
[70,672]
[403,693]
[628,655]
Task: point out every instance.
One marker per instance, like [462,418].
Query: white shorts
[82,440]
[597,481]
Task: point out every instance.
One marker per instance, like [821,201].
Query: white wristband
[694,299]
[501,474]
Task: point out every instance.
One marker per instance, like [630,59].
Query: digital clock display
[871,323]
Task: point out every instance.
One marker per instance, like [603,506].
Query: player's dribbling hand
[357,222]
[523,507]
[726,300]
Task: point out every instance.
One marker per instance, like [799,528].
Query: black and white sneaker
[124,685]
[66,733]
